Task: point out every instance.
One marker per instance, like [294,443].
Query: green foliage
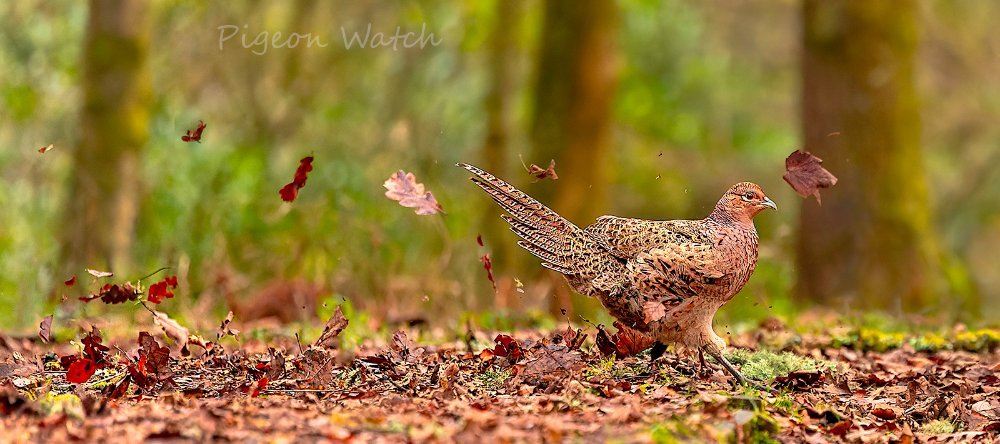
[978,340]
[492,379]
[765,365]
[672,431]
[938,427]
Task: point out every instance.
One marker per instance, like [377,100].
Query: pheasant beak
[769,203]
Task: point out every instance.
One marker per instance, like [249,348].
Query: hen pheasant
[664,278]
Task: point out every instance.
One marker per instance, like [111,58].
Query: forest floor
[529,386]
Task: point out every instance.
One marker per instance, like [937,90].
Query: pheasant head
[741,203]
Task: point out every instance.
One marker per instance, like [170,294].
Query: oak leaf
[402,187]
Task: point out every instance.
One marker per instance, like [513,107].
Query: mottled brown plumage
[664,278]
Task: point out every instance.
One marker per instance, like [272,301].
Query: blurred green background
[650,109]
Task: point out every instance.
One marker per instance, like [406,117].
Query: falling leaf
[46,149]
[573,338]
[157,357]
[99,274]
[225,329]
[290,191]
[544,173]
[479,239]
[805,173]
[403,188]
[172,328]
[518,286]
[80,371]
[162,290]
[194,136]
[70,282]
[115,294]
[336,324]
[508,348]
[45,329]
[604,343]
[653,311]
[488,265]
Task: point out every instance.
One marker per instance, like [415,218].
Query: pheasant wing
[669,275]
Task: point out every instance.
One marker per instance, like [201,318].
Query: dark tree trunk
[577,76]
[870,244]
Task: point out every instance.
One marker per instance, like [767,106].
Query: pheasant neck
[726,216]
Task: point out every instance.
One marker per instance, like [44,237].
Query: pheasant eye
[748,196]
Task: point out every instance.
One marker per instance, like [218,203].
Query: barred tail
[545,233]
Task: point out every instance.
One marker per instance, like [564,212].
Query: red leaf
[479,239]
[260,385]
[290,191]
[626,342]
[162,290]
[46,149]
[93,348]
[194,136]
[604,343]
[544,173]
[805,173]
[70,282]
[45,329]
[402,187]
[507,347]
[80,371]
[488,265]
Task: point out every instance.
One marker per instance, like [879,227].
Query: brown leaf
[886,412]
[403,188]
[629,341]
[45,329]
[544,173]
[805,173]
[172,328]
[334,326]
[224,328]
[653,311]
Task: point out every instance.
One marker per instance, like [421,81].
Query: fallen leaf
[174,330]
[45,329]
[46,149]
[604,343]
[99,274]
[508,348]
[653,311]
[336,324]
[544,173]
[260,385]
[195,135]
[805,173]
[80,371]
[885,412]
[290,191]
[629,341]
[402,187]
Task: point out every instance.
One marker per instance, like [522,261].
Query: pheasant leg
[732,370]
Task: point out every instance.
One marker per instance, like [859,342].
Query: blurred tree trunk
[574,94]
[870,244]
[114,126]
[496,147]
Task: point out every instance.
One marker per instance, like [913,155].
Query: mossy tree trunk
[870,243]
[577,75]
[496,147]
[114,126]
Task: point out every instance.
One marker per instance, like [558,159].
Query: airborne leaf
[194,135]
[336,324]
[402,187]
[291,190]
[45,329]
[544,173]
[805,173]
